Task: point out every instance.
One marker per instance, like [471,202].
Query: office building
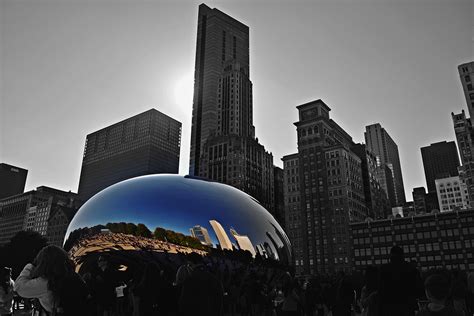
[380,143]
[466,74]
[440,160]
[223,143]
[279,199]
[330,191]
[243,242]
[452,194]
[202,234]
[12,180]
[433,241]
[147,143]
[59,219]
[293,213]
[31,211]
[464,137]
[376,200]
[224,241]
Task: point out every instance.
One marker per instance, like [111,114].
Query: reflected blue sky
[178,203]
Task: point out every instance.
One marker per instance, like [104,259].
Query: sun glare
[183,90]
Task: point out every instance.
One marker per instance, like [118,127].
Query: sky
[70,67]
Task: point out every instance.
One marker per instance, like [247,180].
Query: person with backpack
[51,279]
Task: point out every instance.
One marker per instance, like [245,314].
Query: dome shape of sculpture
[172,214]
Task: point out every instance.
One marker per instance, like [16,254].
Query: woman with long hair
[52,280]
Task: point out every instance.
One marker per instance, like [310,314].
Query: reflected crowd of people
[229,283]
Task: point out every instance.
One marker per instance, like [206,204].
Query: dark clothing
[398,289]
[73,296]
[446,311]
[201,294]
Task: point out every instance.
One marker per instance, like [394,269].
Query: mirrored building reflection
[162,215]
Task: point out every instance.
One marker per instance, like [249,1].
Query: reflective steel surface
[173,214]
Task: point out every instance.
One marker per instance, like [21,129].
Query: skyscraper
[221,41]
[146,143]
[466,74]
[440,160]
[382,145]
[224,241]
[376,200]
[202,234]
[325,194]
[223,143]
[12,180]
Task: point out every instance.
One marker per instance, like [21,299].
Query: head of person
[437,288]
[53,264]
[103,262]
[396,254]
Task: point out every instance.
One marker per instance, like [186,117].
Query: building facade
[293,214]
[331,193]
[147,143]
[202,234]
[13,180]
[380,143]
[452,194]
[223,143]
[58,221]
[376,200]
[31,211]
[440,160]
[220,40]
[279,199]
[439,240]
[466,74]
[464,137]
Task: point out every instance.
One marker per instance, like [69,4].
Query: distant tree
[131,229]
[22,249]
[143,231]
[160,233]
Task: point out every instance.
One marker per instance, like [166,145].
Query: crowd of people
[228,283]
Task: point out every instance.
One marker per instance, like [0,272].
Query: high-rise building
[330,188]
[278,187]
[452,194]
[223,143]
[147,143]
[224,241]
[202,234]
[466,74]
[440,160]
[243,242]
[465,137]
[376,199]
[293,213]
[382,145]
[419,200]
[12,180]
[32,210]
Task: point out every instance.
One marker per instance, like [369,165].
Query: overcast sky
[69,68]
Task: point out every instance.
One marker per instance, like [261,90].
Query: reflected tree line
[138,230]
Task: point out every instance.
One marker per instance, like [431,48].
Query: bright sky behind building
[69,68]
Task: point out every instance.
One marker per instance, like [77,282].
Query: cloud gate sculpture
[157,216]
